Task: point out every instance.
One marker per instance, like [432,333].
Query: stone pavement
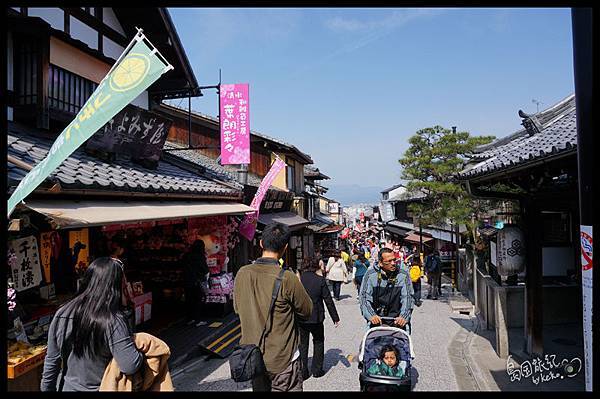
[435,328]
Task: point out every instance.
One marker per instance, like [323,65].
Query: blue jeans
[358,281]
[337,286]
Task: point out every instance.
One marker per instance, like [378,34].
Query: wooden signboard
[133,132]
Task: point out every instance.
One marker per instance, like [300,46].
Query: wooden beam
[534,344]
[97,24]
[43,67]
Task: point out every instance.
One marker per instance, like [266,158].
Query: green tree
[430,165]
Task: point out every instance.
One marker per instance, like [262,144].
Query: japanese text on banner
[235,124]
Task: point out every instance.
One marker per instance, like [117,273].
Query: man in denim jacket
[386,290]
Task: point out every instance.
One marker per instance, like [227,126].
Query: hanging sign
[46,254]
[139,66]
[248,225]
[587,275]
[334,208]
[510,251]
[79,243]
[235,124]
[133,132]
[26,271]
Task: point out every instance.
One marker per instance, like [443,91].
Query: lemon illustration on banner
[130,72]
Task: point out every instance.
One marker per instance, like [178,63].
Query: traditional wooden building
[194,139]
[56,59]
[536,167]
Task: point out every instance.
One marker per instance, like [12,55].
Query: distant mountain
[351,194]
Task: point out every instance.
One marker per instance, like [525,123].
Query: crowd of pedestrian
[92,346]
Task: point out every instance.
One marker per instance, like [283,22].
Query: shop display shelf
[18,369]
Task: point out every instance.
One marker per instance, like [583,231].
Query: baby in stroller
[388,363]
[385,359]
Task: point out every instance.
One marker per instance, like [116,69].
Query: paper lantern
[510,251]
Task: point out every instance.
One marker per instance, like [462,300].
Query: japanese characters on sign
[235,124]
[248,225]
[46,254]
[26,271]
[134,132]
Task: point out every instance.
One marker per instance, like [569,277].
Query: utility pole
[583,66]
[454,262]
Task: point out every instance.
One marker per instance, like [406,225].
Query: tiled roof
[408,196]
[311,171]
[81,171]
[387,190]
[558,133]
[289,146]
[227,173]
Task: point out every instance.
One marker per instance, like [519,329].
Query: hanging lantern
[510,251]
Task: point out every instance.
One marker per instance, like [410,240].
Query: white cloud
[394,19]
[373,29]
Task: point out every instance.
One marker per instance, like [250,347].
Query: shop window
[26,57]
[67,91]
[556,228]
[90,10]
[291,178]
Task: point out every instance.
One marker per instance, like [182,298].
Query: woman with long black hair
[89,331]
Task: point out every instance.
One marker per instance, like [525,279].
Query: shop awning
[70,214]
[323,219]
[396,230]
[336,228]
[293,221]
[413,237]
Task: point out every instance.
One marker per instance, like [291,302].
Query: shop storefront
[46,265]
[296,248]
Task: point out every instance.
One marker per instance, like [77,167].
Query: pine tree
[430,165]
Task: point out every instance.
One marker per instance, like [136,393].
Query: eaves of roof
[81,171]
[557,139]
[254,135]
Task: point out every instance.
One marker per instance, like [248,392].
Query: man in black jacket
[316,286]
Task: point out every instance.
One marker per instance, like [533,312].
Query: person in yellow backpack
[415,276]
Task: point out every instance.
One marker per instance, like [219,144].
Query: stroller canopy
[377,337]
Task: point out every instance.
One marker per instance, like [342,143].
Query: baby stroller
[373,341]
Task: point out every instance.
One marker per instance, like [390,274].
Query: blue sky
[350,86]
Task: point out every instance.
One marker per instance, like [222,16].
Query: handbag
[246,361]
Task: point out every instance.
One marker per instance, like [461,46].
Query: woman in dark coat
[316,286]
[195,271]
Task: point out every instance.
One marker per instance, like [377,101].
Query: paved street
[435,327]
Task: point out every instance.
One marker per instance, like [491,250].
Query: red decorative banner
[248,225]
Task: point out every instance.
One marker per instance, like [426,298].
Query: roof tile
[83,171]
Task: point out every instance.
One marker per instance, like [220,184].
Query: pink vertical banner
[234,119]
[248,225]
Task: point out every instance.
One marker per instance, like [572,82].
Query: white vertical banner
[26,272]
[587,250]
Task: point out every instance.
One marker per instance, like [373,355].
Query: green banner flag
[137,68]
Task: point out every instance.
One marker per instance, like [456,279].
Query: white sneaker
[201,323]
